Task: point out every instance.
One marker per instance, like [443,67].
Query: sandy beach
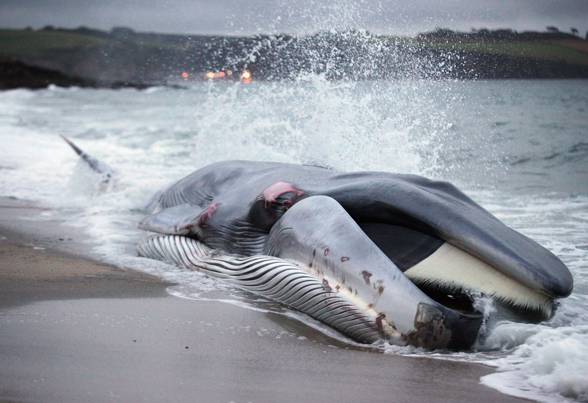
[76,330]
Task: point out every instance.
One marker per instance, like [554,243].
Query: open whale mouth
[453,277]
[450,275]
[521,277]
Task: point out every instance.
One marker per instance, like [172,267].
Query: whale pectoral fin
[178,220]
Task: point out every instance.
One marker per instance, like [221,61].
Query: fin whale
[375,255]
[405,252]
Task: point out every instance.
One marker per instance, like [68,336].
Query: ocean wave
[551,365]
[573,153]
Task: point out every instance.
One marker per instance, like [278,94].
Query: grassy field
[569,51]
[24,43]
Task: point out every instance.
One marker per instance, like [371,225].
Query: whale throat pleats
[275,279]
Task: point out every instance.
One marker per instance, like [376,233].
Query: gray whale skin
[374,255]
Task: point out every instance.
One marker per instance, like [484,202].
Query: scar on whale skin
[208,213]
[366,276]
[271,194]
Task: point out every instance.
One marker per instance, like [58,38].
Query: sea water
[518,148]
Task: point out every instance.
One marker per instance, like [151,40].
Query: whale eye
[272,203]
[283,201]
[264,213]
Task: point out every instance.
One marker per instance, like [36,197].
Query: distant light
[185,75]
[229,73]
[246,75]
[215,75]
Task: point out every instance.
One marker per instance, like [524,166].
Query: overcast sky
[296,16]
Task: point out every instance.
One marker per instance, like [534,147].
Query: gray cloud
[295,16]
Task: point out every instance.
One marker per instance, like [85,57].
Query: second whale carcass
[374,255]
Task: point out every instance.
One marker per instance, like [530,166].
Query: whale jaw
[296,287]
[452,271]
[278,280]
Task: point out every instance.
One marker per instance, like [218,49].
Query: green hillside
[553,50]
[136,58]
[28,43]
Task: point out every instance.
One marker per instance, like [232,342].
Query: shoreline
[75,329]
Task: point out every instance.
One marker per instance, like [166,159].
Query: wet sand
[76,330]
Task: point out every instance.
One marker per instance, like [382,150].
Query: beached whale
[375,255]
[372,254]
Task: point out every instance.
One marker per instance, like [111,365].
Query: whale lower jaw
[451,270]
[448,272]
[282,281]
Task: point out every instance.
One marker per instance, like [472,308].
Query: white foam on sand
[550,365]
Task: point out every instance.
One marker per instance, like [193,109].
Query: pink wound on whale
[208,213]
[271,194]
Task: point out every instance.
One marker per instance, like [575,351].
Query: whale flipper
[178,220]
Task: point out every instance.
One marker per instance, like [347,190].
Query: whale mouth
[460,300]
[453,277]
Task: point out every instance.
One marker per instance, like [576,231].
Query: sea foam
[550,365]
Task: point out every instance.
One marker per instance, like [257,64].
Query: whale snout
[423,285]
[451,247]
